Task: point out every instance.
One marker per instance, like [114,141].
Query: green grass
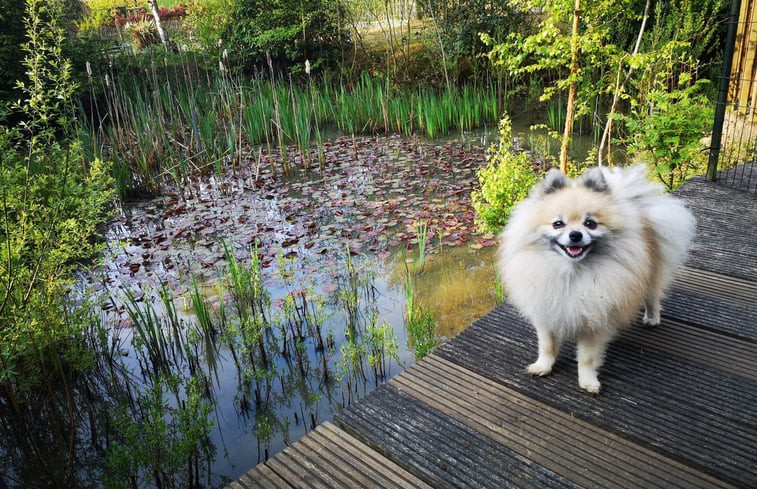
[176,123]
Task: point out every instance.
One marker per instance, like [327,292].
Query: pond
[252,306]
[335,249]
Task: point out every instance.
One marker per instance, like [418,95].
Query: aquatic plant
[381,345]
[158,445]
[173,123]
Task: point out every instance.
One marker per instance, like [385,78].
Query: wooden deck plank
[313,472]
[439,449]
[262,477]
[336,463]
[725,237]
[328,457]
[729,289]
[703,417]
[384,472]
[714,301]
[575,449]
[698,345]
[296,471]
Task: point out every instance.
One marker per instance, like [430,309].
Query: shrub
[210,21]
[52,205]
[291,31]
[667,132]
[505,180]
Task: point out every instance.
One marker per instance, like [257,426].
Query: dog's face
[573,234]
[572,221]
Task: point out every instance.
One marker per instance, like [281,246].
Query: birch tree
[158,24]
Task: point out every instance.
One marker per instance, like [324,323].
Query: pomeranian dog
[578,258]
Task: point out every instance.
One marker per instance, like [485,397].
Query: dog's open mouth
[574,251]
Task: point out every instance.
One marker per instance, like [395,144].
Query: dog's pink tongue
[574,250]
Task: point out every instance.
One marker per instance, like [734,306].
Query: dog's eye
[558,224]
[590,223]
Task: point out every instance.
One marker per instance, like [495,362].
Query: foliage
[159,444]
[667,132]
[505,180]
[11,37]
[546,50]
[421,331]
[101,12]
[53,202]
[290,31]
[461,23]
[179,121]
[618,55]
[144,33]
[210,20]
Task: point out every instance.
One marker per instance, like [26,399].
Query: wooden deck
[678,406]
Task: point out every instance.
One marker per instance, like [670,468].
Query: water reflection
[231,323]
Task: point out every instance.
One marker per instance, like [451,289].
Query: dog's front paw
[651,315]
[651,320]
[539,368]
[590,384]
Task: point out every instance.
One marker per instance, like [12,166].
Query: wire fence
[733,152]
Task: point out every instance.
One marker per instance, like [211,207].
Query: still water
[239,314]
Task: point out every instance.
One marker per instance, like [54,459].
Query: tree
[577,61]
[290,31]
[569,114]
[609,38]
[158,24]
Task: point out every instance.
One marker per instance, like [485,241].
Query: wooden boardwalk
[678,406]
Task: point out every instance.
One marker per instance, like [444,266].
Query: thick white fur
[641,236]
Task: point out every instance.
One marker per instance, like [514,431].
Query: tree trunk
[571,109]
[158,23]
[619,87]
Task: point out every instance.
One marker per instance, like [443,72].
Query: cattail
[89,71]
[307,67]
[220,65]
[225,54]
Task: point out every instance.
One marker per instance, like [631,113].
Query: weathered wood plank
[687,412]
[328,457]
[262,477]
[724,243]
[701,346]
[575,449]
[439,449]
[382,471]
[732,290]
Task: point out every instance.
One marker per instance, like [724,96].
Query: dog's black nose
[576,236]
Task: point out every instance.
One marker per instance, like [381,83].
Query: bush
[291,31]
[53,203]
[210,21]
[505,180]
[461,24]
[667,132]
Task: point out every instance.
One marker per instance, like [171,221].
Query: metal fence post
[722,100]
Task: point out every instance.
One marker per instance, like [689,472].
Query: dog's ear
[553,181]
[593,179]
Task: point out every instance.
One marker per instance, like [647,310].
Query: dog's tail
[672,222]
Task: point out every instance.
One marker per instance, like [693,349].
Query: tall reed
[178,119]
